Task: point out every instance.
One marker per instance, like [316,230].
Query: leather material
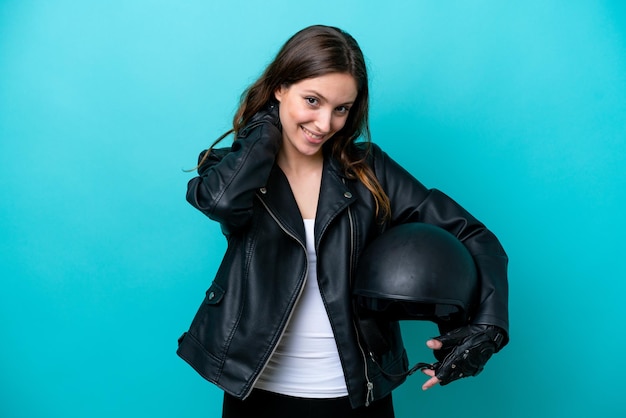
[465,351]
[263,271]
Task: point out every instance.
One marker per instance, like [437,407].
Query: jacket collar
[335,196]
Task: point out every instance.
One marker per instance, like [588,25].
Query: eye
[342,110]
[311,101]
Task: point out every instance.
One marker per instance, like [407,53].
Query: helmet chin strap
[376,343]
[420,366]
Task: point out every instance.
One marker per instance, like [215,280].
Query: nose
[324,121]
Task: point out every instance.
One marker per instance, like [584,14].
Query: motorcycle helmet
[416,271]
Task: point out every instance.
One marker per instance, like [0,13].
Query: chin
[310,150]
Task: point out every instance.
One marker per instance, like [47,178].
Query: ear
[280,92]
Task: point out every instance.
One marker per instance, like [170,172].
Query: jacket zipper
[369,395]
[282,332]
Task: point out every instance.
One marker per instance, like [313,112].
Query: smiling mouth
[311,135]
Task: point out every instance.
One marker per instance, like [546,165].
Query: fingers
[434,344]
[430,382]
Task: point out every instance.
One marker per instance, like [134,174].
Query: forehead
[336,88]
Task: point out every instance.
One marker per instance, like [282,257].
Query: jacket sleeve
[411,201]
[228,179]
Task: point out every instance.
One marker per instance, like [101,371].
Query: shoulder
[385,168]
[369,151]
[373,155]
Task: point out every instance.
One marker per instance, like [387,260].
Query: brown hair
[312,52]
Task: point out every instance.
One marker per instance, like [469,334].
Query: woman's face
[313,110]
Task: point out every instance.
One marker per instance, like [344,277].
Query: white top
[306,362]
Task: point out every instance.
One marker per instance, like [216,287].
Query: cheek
[286,118]
[297,115]
[339,123]
[285,111]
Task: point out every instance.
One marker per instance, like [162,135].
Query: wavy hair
[312,52]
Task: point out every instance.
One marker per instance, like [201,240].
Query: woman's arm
[413,202]
[229,178]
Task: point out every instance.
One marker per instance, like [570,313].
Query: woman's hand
[464,352]
[433,345]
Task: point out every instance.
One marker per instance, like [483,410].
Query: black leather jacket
[261,277]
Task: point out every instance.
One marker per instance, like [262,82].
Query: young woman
[298,199]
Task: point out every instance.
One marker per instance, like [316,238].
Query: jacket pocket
[214,322]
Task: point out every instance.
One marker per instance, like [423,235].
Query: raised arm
[228,178]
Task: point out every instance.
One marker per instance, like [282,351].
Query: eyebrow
[315,93]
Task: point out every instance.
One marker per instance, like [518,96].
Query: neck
[299,164]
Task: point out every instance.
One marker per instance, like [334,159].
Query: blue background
[516,109]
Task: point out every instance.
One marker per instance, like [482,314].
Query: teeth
[312,134]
